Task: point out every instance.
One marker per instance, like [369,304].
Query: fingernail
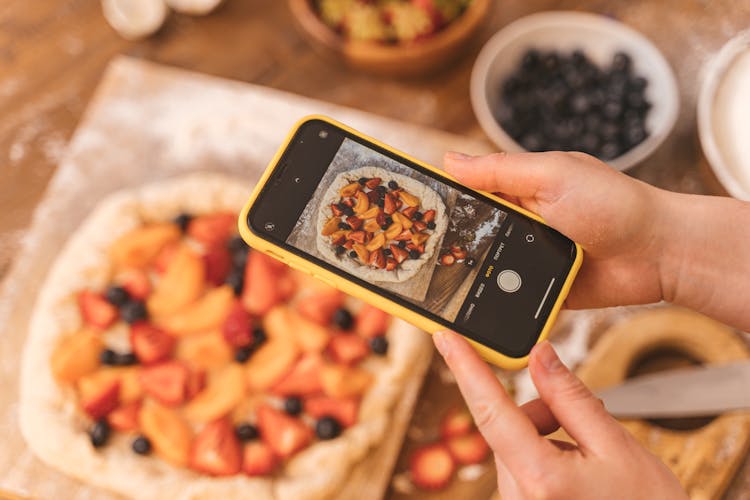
[442,342]
[455,155]
[548,357]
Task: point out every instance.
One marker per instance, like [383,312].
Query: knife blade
[688,392]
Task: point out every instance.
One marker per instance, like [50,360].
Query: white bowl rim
[714,72]
[511,31]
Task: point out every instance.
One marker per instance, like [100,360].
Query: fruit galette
[168,360]
[379,225]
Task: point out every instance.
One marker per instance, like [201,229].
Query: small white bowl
[599,37]
[718,147]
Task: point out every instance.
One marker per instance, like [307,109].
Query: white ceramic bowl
[718,152]
[599,38]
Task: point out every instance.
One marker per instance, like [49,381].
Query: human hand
[614,217]
[606,462]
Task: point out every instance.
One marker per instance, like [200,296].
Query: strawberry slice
[102,400]
[135,281]
[125,418]
[409,212]
[196,382]
[348,349]
[213,229]
[390,264]
[304,379]
[150,344]
[258,459]
[320,307]
[166,382]
[389,204]
[429,216]
[218,263]
[344,410]
[456,422]
[431,467]
[285,435]
[373,183]
[261,290]
[216,450]
[399,253]
[458,252]
[237,328]
[354,222]
[95,309]
[337,212]
[371,322]
[468,449]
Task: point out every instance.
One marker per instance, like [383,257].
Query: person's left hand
[605,462]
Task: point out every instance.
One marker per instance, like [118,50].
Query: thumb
[578,411]
[524,175]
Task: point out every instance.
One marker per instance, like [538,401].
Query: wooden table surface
[53,52]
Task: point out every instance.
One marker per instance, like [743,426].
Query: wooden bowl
[413,59]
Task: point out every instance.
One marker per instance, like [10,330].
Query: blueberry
[126,359]
[246,432]
[381,190]
[259,336]
[340,250]
[293,405]
[99,433]
[414,254]
[418,215]
[635,135]
[343,319]
[352,254]
[578,57]
[108,357]
[608,131]
[182,221]
[612,109]
[470,262]
[362,180]
[530,60]
[348,210]
[636,100]
[141,445]
[327,428]
[242,354]
[380,202]
[239,259]
[532,142]
[638,83]
[379,345]
[589,143]
[384,227]
[236,244]
[388,220]
[551,61]
[133,311]
[621,62]
[609,150]
[431,225]
[387,252]
[402,244]
[236,280]
[393,184]
[117,296]
[343,225]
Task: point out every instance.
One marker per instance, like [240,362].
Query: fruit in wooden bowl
[395,37]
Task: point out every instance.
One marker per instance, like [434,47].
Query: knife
[688,392]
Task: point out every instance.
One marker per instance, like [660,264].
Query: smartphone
[406,237]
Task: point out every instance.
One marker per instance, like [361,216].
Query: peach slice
[419,238]
[308,335]
[350,189]
[269,363]
[376,242]
[402,219]
[169,433]
[408,199]
[77,355]
[393,231]
[343,382]
[205,351]
[127,377]
[277,324]
[331,226]
[370,213]
[371,226]
[208,313]
[362,252]
[139,247]
[181,284]
[363,203]
[224,391]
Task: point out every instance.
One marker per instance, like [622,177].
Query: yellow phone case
[369,296]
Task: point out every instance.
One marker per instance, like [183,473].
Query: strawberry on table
[284,434]
[468,449]
[237,328]
[431,467]
[95,309]
[304,378]
[371,322]
[218,263]
[150,344]
[216,450]
[261,292]
[258,459]
[100,399]
[125,418]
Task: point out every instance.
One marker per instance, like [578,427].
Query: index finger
[508,431]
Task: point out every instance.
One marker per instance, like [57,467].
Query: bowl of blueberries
[573,81]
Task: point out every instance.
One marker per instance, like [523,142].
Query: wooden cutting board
[148,122]
[704,454]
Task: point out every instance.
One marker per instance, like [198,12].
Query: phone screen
[428,243]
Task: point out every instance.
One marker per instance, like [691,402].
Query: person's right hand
[614,217]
